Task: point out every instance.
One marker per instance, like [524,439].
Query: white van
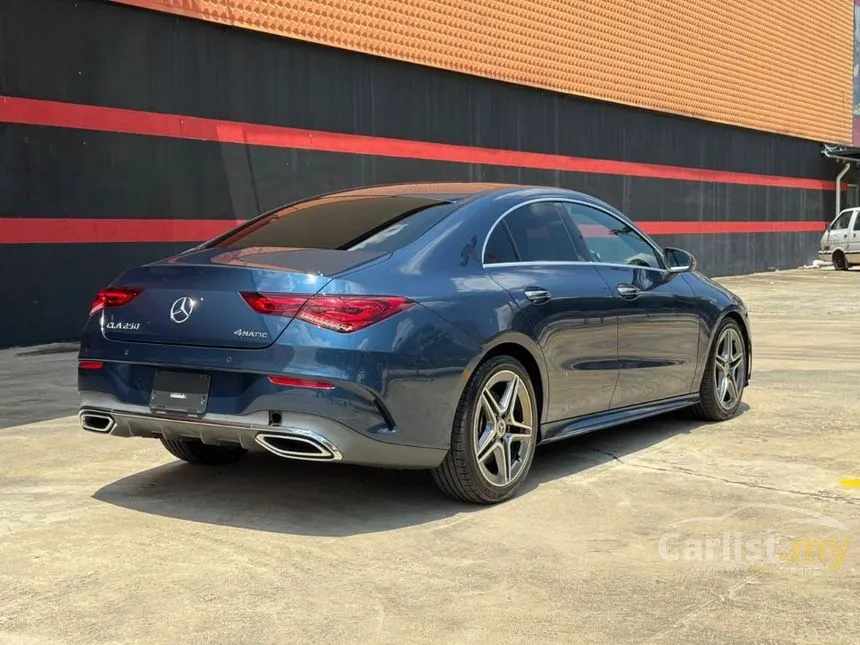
[840,243]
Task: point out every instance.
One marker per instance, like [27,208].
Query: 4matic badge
[244,333]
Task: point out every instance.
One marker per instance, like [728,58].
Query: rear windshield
[343,223]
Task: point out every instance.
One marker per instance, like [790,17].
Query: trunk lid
[195,298]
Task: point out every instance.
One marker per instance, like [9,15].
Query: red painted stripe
[709,228]
[106,119]
[73,230]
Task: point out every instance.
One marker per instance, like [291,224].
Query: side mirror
[679,261]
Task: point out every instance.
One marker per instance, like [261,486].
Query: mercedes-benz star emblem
[181,310]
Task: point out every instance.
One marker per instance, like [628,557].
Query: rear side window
[345,223]
[499,246]
[539,233]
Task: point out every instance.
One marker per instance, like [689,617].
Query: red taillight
[113,297]
[90,365]
[339,313]
[300,382]
[275,304]
[351,313]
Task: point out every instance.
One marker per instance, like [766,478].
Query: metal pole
[839,188]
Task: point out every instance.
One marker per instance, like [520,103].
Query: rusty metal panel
[769,65]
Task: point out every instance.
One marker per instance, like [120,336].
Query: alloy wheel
[729,368]
[503,428]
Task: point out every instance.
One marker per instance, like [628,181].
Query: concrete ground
[667,531]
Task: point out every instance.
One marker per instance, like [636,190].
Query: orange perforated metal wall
[770,65]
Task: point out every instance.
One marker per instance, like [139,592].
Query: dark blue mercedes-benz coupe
[448,327]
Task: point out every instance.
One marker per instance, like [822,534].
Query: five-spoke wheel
[728,368]
[725,375]
[494,435]
[503,428]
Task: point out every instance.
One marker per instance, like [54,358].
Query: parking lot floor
[665,531]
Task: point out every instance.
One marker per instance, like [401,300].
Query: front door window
[841,223]
[610,240]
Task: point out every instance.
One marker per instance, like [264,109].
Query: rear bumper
[382,388]
[297,436]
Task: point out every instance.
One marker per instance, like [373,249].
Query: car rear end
[265,338]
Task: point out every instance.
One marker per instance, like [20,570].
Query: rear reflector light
[90,365]
[113,297]
[343,314]
[300,382]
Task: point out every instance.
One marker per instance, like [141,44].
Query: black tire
[709,407]
[840,263]
[460,476]
[197,452]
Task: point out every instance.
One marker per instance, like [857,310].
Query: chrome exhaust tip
[306,446]
[96,421]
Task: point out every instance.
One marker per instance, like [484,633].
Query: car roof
[439,191]
[456,192]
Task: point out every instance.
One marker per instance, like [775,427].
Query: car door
[569,307]
[658,319]
[836,237]
[852,252]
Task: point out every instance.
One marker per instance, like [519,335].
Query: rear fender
[513,343]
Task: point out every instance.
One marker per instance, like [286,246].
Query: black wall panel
[102,54]
[47,289]
[52,171]
[99,53]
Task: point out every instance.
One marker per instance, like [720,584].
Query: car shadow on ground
[265,493]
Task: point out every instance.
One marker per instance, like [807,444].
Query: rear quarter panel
[468,314]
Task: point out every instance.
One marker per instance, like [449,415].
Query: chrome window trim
[657,251]
[612,265]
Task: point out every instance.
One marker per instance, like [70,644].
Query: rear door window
[539,234]
[346,223]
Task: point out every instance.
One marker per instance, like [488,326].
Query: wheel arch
[524,350]
[735,315]
[835,254]
[745,334]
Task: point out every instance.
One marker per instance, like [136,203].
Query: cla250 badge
[123,326]
[244,333]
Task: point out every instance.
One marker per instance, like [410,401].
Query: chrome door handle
[538,295]
[627,290]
